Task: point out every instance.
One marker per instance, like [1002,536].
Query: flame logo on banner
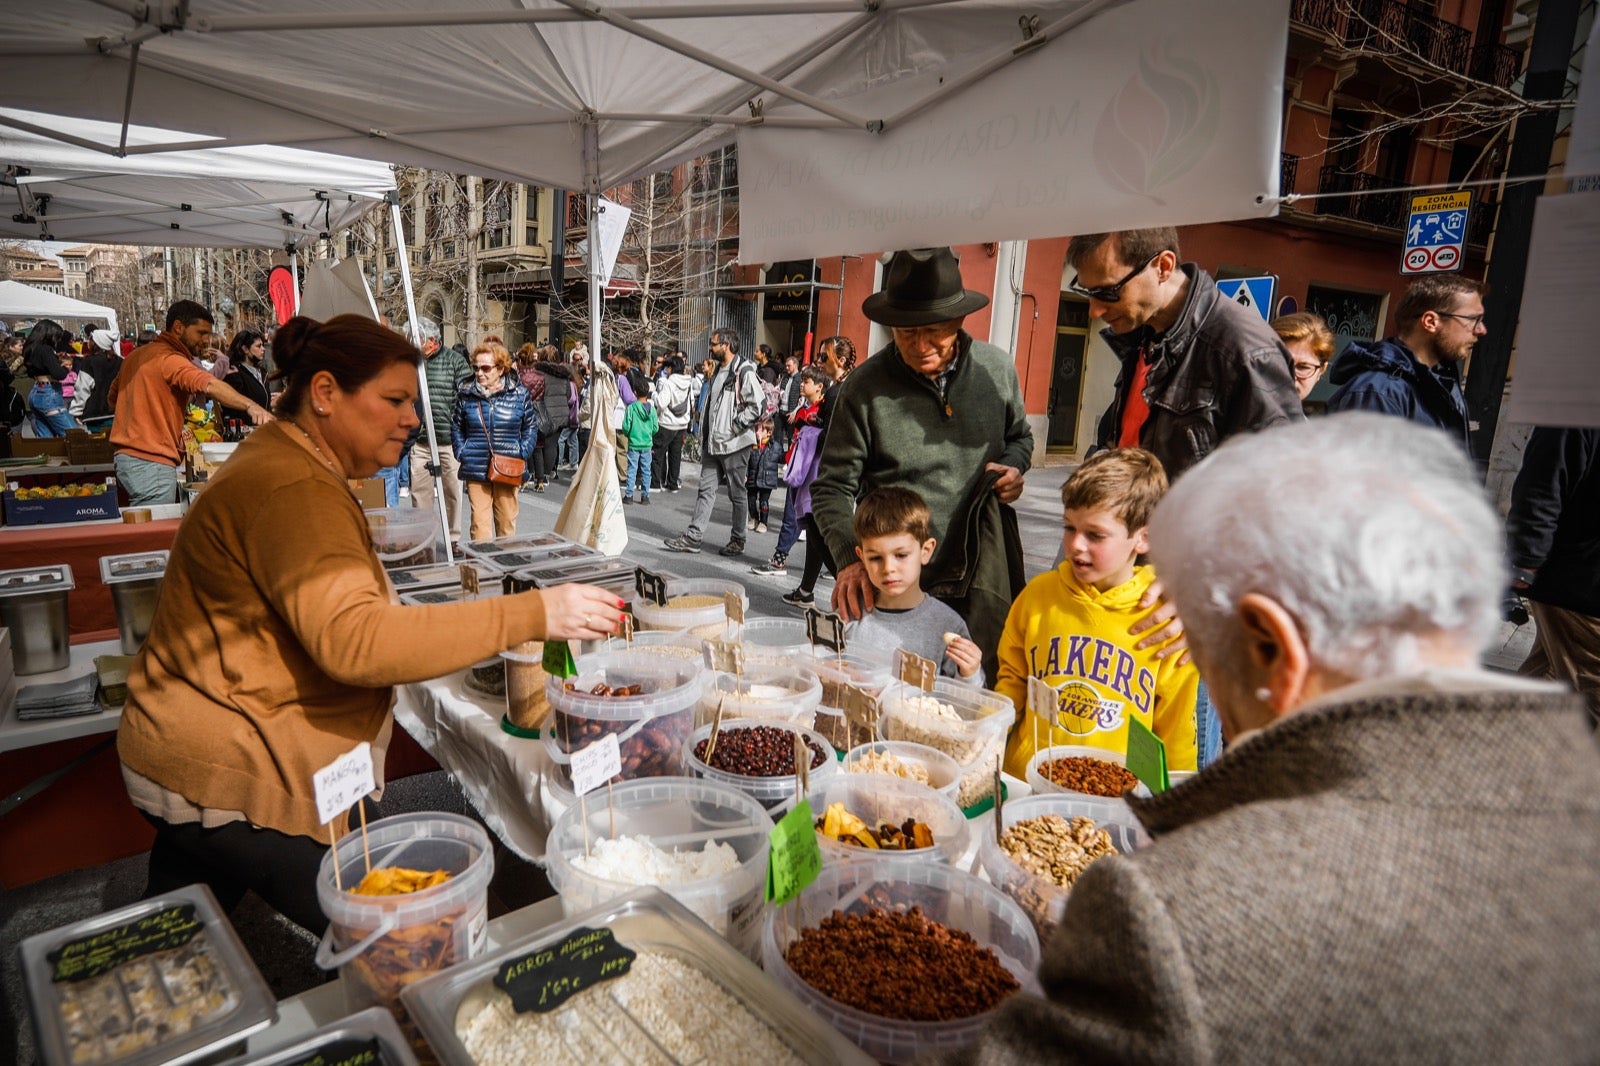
[1158,126]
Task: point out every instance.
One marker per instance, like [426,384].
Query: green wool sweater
[639,425]
[891,426]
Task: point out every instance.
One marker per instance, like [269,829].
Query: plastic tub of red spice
[883,907]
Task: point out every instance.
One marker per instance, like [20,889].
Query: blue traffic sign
[1436,232]
[1254,293]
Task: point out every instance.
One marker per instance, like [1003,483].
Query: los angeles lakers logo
[1080,711]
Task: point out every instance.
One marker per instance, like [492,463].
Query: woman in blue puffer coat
[493,418]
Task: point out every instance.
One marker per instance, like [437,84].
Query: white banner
[1155,112]
[1555,383]
[1583,153]
[611,224]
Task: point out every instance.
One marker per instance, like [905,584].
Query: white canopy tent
[20,301]
[1169,112]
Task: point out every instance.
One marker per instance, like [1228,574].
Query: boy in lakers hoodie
[1070,626]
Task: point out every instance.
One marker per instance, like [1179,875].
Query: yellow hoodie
[1075,638]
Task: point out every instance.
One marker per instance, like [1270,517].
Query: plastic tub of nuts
[654,985]
[1082,770]
[896,812]
[834,672]
[968,724]
[651,718]
[1046,849]
[758,760]
[703,843]
[901,758]
[694,604]
[770,692]
[844,946]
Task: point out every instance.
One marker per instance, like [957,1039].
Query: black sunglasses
[1110,294]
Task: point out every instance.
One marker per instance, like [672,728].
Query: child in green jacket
[639,425]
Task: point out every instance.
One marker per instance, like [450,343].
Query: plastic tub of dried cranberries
[757,758]
[1083,770]
[843,948]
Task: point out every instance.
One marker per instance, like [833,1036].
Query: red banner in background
[280,287]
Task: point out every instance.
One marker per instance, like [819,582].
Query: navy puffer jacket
[506,417]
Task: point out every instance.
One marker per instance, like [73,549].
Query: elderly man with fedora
[941,413]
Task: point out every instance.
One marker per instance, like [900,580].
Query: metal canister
[33,605]
[134,581]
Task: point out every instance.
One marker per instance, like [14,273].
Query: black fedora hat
[920,287]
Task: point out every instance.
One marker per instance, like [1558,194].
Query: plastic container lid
[776,794]
[943,773]
[1042,785]
[450,594]
[36,579]
[401,531]
[138,566]
[534,549]
[878,799]
[709,620]
[653,924]
[369,1037]
[956,899]
[675,814]
[615,574]
[442,575]
[1042,899]
[178,960]
[982,719]
[770,692]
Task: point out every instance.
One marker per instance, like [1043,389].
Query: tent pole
[294,274]
[434,467]
[591,197]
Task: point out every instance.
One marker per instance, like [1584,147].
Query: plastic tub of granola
[703,843]
[897,1015]
[881,801]
[639,979]
[1042,860]
[366,1038]
[695,604]
[758,762]
[1042,784]
[770,692]
[967,723]
[161,980]
[834,671]
[902,758]
[652,719]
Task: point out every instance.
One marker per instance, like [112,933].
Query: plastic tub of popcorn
[1046,850]
[769,692]
[853,930]
[757,758]
[695,604]
[651,719]
[1082,770]
[833,673]
[871,821]
[701,842]
[903,759]
[657,986]
[967,723]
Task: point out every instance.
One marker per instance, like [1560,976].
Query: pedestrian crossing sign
[1254,293]
[1436,232]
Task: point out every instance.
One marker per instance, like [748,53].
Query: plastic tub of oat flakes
[854,928]
[652,718]
[695,604]
[1042,860]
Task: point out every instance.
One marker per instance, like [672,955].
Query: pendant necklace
[313,442]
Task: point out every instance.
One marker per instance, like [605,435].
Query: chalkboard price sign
[544,979]
[101,953]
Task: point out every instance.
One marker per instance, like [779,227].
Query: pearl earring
[1263,694]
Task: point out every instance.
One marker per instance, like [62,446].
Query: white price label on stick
[1044,701]
[595,765]
[343,781]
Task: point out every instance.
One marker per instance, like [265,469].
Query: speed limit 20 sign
[1436,232]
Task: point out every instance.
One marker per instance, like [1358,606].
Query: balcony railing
[1496,64]
[1391,27]
[1288,169]
[1376,207]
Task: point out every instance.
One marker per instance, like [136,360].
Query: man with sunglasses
[1417,374]
[1196,367]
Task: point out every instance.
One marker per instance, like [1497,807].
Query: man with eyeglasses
[727,436]
[1417,373]
[1196,367]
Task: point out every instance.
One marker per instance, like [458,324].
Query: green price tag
[558,659]
[1147,756]
[795,859]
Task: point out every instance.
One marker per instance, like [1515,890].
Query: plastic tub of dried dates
[1047,842]
[843,948]
[757,758]
[967,723]
[703,843]
[770,692]
[901,758]
[1083,770]
[647,700]
[889,818]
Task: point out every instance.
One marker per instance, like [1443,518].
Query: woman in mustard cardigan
[276,642]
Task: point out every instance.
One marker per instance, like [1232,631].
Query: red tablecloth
[90,613]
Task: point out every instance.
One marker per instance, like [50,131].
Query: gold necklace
[313,442]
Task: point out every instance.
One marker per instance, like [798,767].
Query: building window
[1350,315]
